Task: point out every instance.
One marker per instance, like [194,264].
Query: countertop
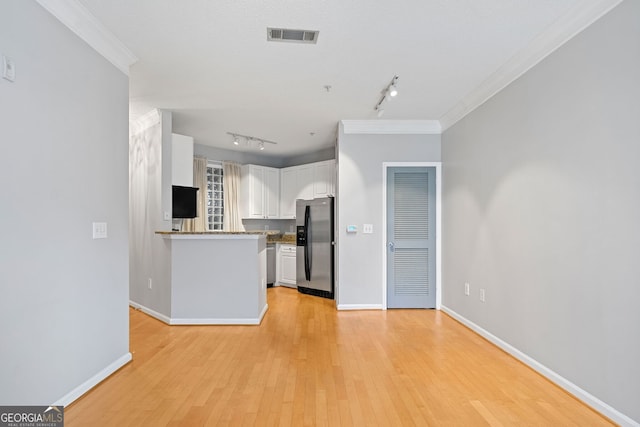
[264,233]
[213,235]
[273,236]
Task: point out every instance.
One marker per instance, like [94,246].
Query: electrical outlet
[466,288]
[482,295]
[150,283]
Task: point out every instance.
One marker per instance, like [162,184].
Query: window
[215,200]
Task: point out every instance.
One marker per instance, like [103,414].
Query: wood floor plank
[308,364]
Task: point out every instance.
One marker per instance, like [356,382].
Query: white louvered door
[411,239]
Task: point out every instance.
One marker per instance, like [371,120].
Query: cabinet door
[288,192]
[288,268]
[250,193]
[305,182]
[323,179]
[256,205]
[271,192]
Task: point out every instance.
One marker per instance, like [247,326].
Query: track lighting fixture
[389,92]
[393,90]
[249,140]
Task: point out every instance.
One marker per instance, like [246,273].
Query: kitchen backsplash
[282,225]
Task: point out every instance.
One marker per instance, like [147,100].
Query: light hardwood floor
[308,364]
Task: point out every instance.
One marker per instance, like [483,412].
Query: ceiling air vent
[287,35]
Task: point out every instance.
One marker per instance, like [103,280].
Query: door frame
[438,166]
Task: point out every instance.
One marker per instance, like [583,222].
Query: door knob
[391,246]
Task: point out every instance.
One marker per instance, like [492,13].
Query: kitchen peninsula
[217,278]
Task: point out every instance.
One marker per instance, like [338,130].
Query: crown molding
[557,34]
[144,122]
[397,127]
[86,26]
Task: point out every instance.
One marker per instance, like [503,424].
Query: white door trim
[438,166]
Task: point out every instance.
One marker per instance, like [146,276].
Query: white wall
[360,201]
[64,126]
[218,280]
[150,197]
[255,158]
[241,157]
[181,160]
[317,156]
[541,207]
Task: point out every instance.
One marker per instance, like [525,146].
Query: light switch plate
[367,228]
[167,216]
[8,69]
[99,230]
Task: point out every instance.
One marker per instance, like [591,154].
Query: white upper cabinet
[271,192]
[305,182]
[323,173]
[182,160]
[260,192]
[288,192]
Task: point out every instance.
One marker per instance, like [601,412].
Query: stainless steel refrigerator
[315,247]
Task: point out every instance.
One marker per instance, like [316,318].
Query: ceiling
[209,62]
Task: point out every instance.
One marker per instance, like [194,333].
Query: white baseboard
[264,311]
[201,321]
[359,306]
[74,394]
[150,312]
[554,377]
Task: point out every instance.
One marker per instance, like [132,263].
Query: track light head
[251,141]
[389,92]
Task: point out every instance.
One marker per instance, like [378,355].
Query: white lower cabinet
[286,265]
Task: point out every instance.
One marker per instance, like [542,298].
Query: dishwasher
[271,264]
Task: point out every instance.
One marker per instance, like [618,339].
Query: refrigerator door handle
[307,260]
